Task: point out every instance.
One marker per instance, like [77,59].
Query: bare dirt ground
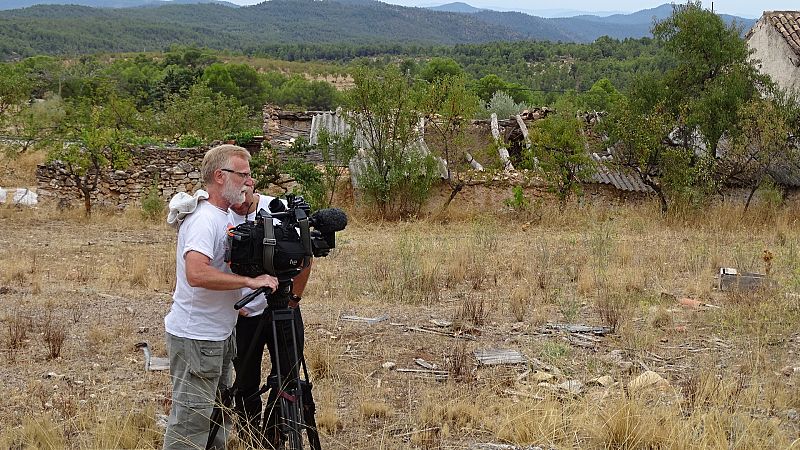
[722,374]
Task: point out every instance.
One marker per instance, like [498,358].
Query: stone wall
[174,169]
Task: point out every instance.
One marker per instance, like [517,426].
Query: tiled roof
[788,25]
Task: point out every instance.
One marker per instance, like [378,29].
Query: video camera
[280,242]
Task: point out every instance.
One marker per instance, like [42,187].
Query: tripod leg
[290,395]
[309,415]
[271,430]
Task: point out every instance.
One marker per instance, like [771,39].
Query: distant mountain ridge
[457,7]
[17,4]
[58,29]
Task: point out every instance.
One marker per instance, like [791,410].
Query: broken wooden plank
[577,328]
[523,394]
[367,320]
[441,323]
[457,335]
[427,371]
[421,362]
[495,356]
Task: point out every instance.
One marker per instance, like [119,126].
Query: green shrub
[517,201]
[153,206]
[189,140]
[243,138]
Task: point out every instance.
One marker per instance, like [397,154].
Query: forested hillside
[60,29]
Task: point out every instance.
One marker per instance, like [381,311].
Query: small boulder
[648,379]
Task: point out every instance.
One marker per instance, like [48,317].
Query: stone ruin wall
[174,169]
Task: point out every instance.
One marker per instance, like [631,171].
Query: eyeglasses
[244,175]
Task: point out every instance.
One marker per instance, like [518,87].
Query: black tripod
[290,407]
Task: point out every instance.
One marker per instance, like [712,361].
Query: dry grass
[106,282]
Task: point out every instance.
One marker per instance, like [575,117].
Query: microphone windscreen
[329,220]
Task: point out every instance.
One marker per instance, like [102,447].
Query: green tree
[641,144]
[712,76]
[559,152]
[15,88]
[252,91]
[449,104]
[97,137]
[440,68]
[202,113]
[488,85]
[602,96]
[395,174]
[37,123]
[239,81]
[218,79]
[759,146]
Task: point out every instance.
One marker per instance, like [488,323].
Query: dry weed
[321,360]
[41,432]
[17,327]
[518,302]
[54,333]
[372,409]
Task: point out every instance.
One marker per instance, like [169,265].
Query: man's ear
[219,176]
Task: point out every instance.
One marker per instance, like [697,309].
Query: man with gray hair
[199,326]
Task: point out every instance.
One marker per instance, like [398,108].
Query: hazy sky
[743,8]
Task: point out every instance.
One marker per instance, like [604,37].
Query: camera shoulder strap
[305,235]
[269,245]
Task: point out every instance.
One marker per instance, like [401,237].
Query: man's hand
[263,281]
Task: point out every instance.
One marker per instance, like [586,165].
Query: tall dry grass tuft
[328,421]
[531,422]
[451,416]
[708,390]
[612,309]
[374,409]
[458,363]
[630,424]
[473,313]
[41,433]
[17,327]
[134,429]
[54,333]
[321,359]
[519,301]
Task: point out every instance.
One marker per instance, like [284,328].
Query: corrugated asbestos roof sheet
[788,25]
[624,180]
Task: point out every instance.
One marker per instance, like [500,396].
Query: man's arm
[199,273]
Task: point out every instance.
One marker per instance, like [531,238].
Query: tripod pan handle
[249,297]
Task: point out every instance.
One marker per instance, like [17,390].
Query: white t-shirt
[199,313]
[258,304]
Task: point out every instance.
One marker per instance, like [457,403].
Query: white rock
[648,379]
[605,381]
[388,365]
[25,197]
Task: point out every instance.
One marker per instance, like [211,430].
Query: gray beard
[232,195]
